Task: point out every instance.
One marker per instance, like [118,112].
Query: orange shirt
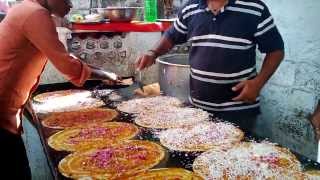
[28,37]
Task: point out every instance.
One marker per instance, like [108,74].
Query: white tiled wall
[134,44]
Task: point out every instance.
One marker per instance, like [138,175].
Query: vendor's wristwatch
[152,53]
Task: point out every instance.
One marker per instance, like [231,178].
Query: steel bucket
[174,72]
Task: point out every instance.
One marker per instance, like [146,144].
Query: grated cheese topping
[202,136]
[171,117]
[144,104]
[252,160]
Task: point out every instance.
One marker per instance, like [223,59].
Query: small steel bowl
[120,14]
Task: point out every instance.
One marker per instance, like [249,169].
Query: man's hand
[315,121]
[149,58]
[316,126]
[249,91]
[146,60]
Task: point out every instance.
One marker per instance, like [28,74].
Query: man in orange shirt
[28,37]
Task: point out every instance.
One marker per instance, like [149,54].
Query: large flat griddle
[173,159]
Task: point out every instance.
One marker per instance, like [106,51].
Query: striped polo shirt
[223,50]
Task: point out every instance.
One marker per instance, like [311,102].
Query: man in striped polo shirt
[224,36]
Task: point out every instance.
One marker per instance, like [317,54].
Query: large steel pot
[174,72]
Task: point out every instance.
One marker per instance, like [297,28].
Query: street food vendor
[28,38]
[224,35]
